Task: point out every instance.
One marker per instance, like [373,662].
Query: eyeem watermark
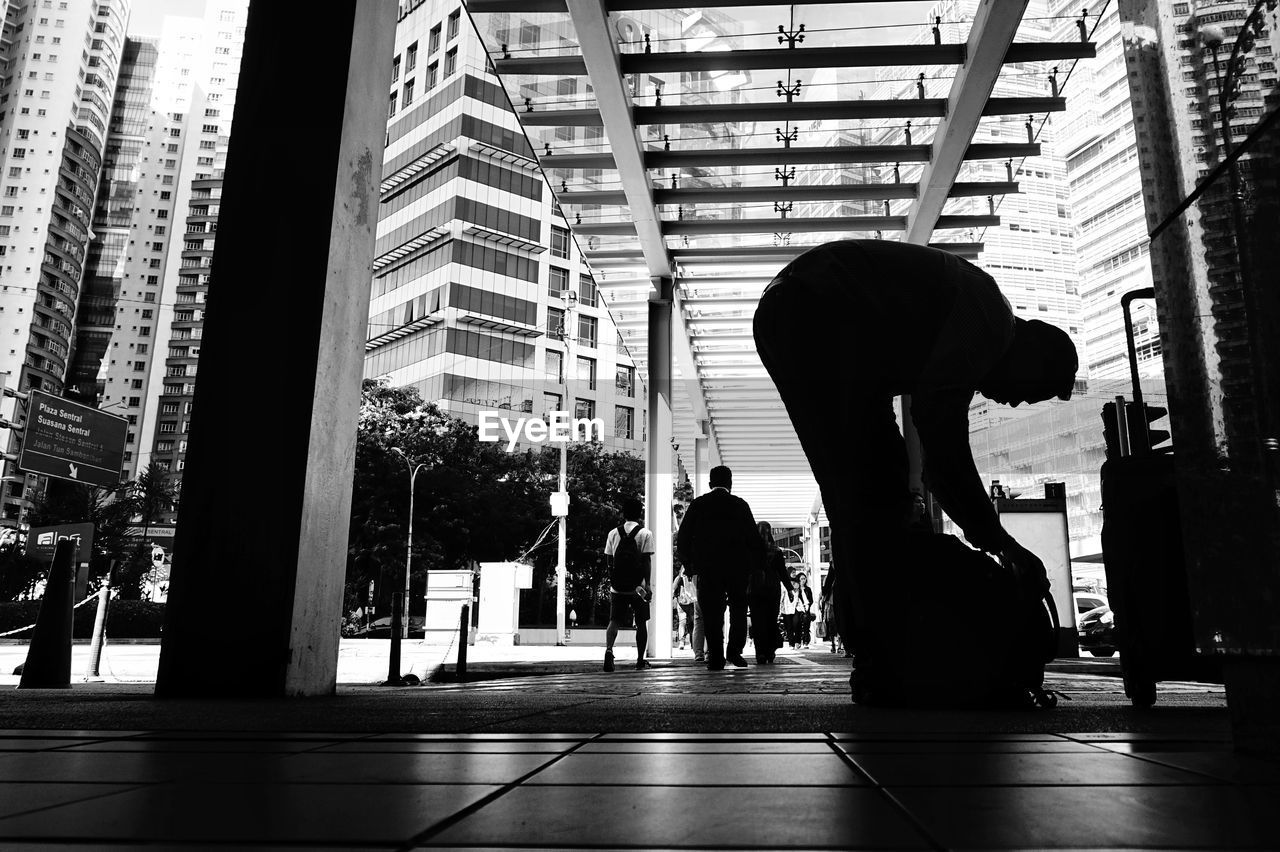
[560,429]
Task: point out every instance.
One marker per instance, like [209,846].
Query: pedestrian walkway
[675,757]
[847,790]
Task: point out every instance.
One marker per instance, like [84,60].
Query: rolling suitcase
[1143,555]
[1147,576]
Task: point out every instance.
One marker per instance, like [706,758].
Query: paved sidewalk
[675,757]
[365,661]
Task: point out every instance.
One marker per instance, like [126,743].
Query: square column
[260,553]
[701,466]
[660,466]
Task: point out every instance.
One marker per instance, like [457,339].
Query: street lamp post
[562,527]
[408,556]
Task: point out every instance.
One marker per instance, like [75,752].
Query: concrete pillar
[701,466]
[813,546]
[260,553]
[660,466]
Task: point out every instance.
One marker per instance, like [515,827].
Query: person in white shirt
[629,547]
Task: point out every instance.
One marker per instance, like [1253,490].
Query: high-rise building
[154,227]
[1181,57]
[1031,254]
[1100,144]
[474,258]
[61,59]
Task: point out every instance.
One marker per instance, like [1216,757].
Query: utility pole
[408,556]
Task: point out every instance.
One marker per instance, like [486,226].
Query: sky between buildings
[147,15]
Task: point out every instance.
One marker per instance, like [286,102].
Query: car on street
[1095,631]
[1086,601]
[380,628]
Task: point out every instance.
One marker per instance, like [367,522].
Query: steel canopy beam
[600,55]
[824,192]
[798,111]
[795,111]
[553,6]
[862,56]
[795,156]
[993,29]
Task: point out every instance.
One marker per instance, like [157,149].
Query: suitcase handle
[1125,301]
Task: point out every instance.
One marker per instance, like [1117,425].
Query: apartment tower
[61,59]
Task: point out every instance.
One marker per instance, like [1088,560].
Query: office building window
[408,92]
[395,69]
[587,291]
[557,281]
[433,73]
[433,42]
[555,366]
[559,242]
[555,324]
[391,105]
[551,402]
[584,409]
[587,372]
[626,380]
[624,422]
[411,58]
[453,23]
[587,330]
[450,62]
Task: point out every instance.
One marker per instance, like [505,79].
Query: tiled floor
[174,790]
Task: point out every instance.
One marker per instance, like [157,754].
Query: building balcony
[403,331]
[494,324]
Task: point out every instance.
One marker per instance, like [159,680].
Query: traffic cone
[48,664]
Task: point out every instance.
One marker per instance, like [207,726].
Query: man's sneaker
[715,664]
[608,661]
[699,658]
[642,663]
[737,660]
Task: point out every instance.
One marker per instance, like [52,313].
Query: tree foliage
[110,510]
[473,502]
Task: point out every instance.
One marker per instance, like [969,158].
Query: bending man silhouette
[849,325]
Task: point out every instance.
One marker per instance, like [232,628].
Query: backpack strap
[635,531]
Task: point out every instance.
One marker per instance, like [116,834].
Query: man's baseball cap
[1059,356]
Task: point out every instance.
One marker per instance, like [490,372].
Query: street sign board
[155,533]
[42,540]
[71,441]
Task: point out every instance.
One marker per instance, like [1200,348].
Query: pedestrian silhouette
[893,319]
[719,543]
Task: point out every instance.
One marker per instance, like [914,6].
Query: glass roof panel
[776,162]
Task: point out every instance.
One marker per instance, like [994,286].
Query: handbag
[685,596]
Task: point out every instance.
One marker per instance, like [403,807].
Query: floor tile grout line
[569,707]
[894,803]
[130,787]
[1152,760]
[457,816]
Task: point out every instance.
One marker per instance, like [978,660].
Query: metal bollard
[393,665]
[464,625]
[99,635]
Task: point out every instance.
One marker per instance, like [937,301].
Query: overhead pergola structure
[694,151]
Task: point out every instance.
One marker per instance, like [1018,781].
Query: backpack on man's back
[628,568]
